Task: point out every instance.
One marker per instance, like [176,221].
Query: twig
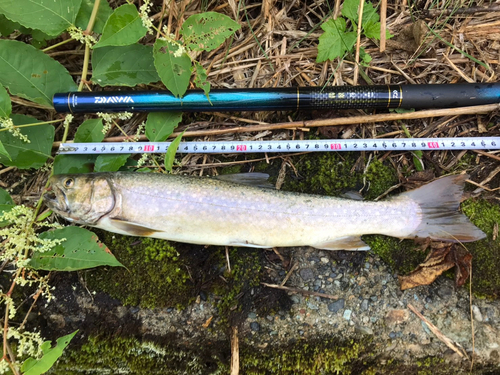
[301,291]
[487,154]
[235,352]
[290,272]
[471,317]
[457,348]
[471,10]
[358,41]
[383,24]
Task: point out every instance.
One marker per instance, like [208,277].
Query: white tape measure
[218,147]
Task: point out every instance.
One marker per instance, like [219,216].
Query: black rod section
[278,99]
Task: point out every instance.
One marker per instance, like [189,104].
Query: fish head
[80,198]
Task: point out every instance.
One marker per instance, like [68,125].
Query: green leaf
[90,131]
[64,164]
[6,204]
[27,155]
[80,250]
[200,79]
[160,125]
[31,74]
[34,366]
[207,31]
[174,70]
[5,104]
[103,13]
[110,163]
[171,151]
[51,17]
[335,41]
[124,66]
[122,28]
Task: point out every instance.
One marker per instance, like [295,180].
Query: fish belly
[218,213]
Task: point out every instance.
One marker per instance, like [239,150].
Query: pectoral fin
[132,228]
[343,243]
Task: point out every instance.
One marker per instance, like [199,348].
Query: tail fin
[441,220]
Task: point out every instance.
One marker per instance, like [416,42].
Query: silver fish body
[213,212]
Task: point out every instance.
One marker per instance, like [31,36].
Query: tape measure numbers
[325,145]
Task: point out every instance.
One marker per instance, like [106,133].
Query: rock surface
[359,299]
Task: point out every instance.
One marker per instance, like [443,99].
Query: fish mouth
[56,200]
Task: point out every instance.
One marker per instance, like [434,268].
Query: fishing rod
[324,145]
[277,99]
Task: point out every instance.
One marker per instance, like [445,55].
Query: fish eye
[68,183]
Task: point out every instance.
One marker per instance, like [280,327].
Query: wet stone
[347,314]
[364,305]
[254,326]
[336,306]
[306,274]
[252,315]
[445,292]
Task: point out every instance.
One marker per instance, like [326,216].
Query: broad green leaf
[110,163]
[6,204]
[34,366]
[90,131]
[173,66]
[31,74]
[64,164]
[350,10]
[51,17]
[171,151]
[5,104]
[335,41]
[124,66]
[200,79]
[160,125]
[80,250]
[27,155]
[207,31]
[122,28]
[103,13]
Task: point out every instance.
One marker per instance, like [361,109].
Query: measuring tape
[218,147]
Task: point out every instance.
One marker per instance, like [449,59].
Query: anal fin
[132,229]
[343,243]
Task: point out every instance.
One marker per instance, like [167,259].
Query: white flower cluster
[144,13]
[29,342]
[78,34]
[171,38]
[108,119]
[7,123]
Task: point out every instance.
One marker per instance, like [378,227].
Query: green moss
[328,357]
[401,256]
[380,178]
[232,293]
[155,275]
[486,253]
[326,174]
[115,355]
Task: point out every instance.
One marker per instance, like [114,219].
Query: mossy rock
[155,273]
[486,253]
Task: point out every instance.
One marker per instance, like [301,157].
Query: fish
[210,211]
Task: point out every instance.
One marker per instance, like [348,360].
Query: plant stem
[57,45]
[93,16]
[35,124]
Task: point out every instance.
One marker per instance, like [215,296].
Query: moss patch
[486,253]
[155,275]
[233,291]
[334,174]
[401,256]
